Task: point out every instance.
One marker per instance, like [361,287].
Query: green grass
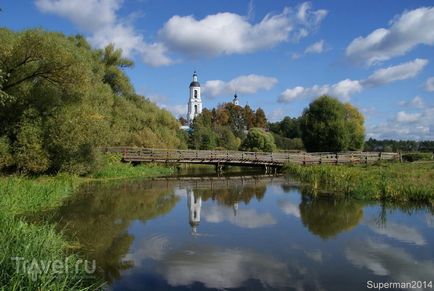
[111,168]
[21,197]
[387,181]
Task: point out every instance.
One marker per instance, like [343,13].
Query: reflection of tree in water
[231,195]
[289,187]
[100,215]
[326,217]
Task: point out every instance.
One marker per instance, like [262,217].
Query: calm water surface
[245,232]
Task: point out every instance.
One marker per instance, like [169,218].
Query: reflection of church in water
[194,203]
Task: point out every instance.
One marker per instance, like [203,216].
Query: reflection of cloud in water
[247,218]
[429,220]
[223,268]
[181,192]
[289,208]
[399,232]
[315,255]
[383,259]
[153,247]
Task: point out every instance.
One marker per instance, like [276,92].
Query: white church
[195,101]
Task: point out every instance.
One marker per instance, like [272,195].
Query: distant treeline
[325,125]
[60,99]
[389,145]
[225,126]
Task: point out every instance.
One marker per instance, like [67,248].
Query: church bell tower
[195,101]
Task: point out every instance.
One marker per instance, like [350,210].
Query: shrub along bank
[388,181]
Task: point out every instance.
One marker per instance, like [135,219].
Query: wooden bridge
[238,158]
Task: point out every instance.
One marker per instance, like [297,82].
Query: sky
[277,55]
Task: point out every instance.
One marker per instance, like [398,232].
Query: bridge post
[219,168]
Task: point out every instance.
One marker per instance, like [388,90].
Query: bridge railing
[239,157]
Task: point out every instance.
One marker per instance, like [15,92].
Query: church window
[195,93]
[195,109]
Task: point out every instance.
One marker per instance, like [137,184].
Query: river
[248,232]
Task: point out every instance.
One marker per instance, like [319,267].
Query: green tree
[203,138]
[329,125]
[258,140]
[236,119]
[113,74]
[260,118]
[60,99]
[30,155]
[290,127]
[249,116]
[227,139]
[356,131]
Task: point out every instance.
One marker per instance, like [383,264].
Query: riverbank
[39,244]
[384,181]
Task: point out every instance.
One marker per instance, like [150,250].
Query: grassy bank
[388,181]
[40,244]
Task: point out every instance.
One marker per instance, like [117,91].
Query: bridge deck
[223,157]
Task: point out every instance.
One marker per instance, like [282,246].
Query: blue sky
[279,55]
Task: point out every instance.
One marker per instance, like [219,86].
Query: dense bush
[285,143]
[258,140]
[412,157]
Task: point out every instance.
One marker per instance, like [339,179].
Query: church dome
[194,83]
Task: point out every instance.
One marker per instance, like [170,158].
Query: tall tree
[249,116]
[329,125]
[114,75]
[260,119]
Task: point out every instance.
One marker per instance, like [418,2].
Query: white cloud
[406,31]
[99,18]
[315,48]
[230,33]
[345,88]
[246,84]
[429,85]
[415,126]
[89,15]
[395,73]
[405,117]
[416,102]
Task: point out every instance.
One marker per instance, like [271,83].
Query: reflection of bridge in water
[223,182]
[221,158]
